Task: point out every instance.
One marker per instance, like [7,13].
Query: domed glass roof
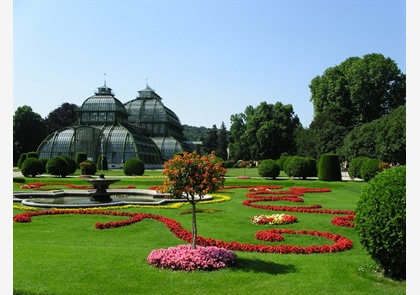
[103,101]
[148,108]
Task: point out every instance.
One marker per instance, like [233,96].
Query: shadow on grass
[261,266]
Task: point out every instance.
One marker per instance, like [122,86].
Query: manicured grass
[65,254]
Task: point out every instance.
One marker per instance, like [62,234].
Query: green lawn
[65,254]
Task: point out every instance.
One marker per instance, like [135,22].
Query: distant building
[142,128]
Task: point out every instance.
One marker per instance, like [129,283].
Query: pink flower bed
[184,257]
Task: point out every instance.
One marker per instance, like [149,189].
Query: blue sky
[208,60]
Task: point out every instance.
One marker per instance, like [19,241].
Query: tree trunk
[194,224]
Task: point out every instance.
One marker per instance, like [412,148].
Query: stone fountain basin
[82,198]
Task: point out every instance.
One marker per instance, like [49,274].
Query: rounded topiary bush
[369,169]
[281,161]
[31,167]
[133,166]
[355,165]
[329,167]
[71,164]
[297,167]
[268,168]
[102,163]
[88,167]
[380,220]
[57,166]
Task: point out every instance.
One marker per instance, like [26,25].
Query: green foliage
[313,170]
[297,166]
[72,165]
[88,167]
[369,169]
[32,155]
[268,168]
[264,132]
[61,117]
[22,158]
[80,157]
[133,166]
[31,167]
[57,166]
[355,165]
[44,162]
[102,163]
[228,164]
[281,161]
[384,138]
[371,86]
[329,167]
[381,220]
[29,130]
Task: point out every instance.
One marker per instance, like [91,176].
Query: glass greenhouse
[142,128]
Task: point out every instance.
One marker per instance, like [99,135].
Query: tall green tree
[210,140]
[29,130]
[357,91]
[266,131]
[369,87]
[384,138]
[61,117]
[222,142]
[238,138]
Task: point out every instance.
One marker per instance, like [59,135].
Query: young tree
[192,176]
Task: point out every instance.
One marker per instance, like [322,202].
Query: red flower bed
[341,243]
[346,221]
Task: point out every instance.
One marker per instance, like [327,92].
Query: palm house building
[142,128]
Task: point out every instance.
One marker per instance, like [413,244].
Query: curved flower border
[341,243]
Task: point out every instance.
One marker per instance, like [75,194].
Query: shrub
[228,164]
[329,167]
[102,163]
[71,164]
[269,168]
[380,220]
[44,162]
[370,168]
[32,155]
[88,167]
[355,165]
[57,166]
[31,167]
[80,157]
[281,161]
[297,166]
[133,166]
[22,158]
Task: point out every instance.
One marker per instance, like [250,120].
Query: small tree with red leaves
[192,176]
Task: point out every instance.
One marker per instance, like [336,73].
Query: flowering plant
[273,219]
[185,257]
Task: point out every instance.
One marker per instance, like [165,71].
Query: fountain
[101,185]
[102,196]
